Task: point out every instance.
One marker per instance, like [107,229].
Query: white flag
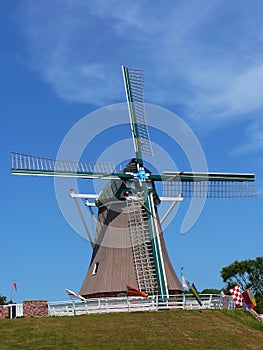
[185,283]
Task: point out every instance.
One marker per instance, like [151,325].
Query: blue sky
[61,60]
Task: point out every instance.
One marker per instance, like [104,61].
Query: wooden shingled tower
[129,247]
[123,252]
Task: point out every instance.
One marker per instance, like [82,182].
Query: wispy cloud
[254,139]
[204,55]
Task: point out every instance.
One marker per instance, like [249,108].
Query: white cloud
[204,55]
[254,139]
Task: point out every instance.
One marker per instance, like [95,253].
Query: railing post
[74,310]
[99,305]
[87,307]
[210,300]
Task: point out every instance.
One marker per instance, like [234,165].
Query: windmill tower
[129,247]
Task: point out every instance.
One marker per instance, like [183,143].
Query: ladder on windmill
[141,246]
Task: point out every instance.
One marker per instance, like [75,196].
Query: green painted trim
[156,248]
[209,177]
[87,175]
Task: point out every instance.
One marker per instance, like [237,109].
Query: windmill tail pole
[256,315]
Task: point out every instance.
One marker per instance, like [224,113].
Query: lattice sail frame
[197,185]
[209,189]
[31,165]
[134,87]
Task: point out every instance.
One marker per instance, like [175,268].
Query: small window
[95,268]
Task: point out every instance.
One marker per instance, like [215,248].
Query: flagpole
[12,291]
[184,299]
[182,268]
[11,295]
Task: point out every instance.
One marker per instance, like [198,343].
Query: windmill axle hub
[141,175]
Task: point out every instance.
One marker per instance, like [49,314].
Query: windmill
[127,207]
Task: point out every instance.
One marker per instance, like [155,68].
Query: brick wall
[35,308]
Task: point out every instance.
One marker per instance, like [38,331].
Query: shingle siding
[113,254]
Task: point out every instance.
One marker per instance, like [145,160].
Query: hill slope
[208,329]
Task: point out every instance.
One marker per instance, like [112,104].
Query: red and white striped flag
[237,296]
[75,295]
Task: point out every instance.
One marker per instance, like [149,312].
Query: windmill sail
[25,164]
[134,87]
[209,185]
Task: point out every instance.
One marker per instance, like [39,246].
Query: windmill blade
[134,87]
[207,185]
[202,176]
[24,164]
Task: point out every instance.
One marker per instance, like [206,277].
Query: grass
[208,329]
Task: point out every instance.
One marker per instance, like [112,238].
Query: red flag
[131,291]
[249,299]
[15,286]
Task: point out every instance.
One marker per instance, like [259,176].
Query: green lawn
[207,329]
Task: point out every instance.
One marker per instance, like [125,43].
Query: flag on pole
[131,291]
[237,296]
[185,283]
[74,295]
[13,288]
[252,298]
[249,298]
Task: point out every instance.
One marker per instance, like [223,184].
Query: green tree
[2,300]
[247,273]
[210,291]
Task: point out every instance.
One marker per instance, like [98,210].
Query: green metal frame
[179,177]
[156,247]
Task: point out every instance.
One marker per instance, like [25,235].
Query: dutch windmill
[127,208]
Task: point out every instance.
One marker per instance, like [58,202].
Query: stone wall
[3,311]
[35,308]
